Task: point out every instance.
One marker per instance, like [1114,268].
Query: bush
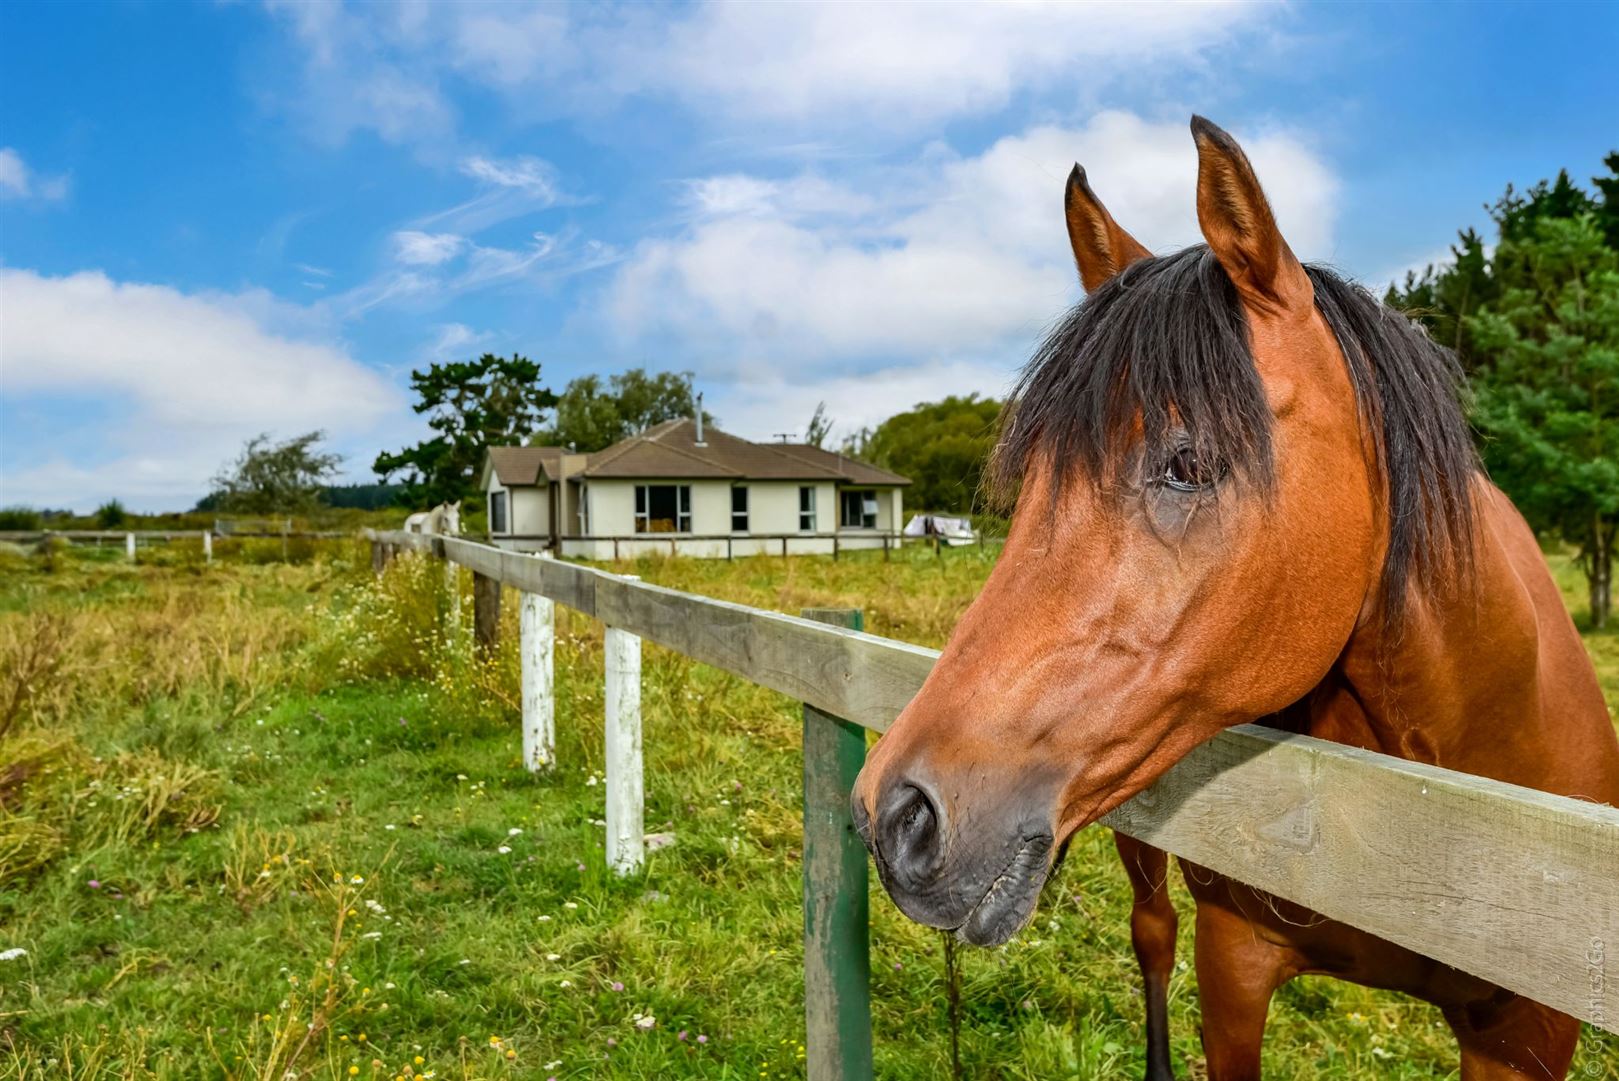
[26,519]
[111,514]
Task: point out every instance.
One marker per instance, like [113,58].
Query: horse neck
[1490,679]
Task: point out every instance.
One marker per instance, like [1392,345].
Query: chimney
[699,419]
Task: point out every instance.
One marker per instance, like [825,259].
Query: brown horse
[1245,491]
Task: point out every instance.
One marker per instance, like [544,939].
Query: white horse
[442,519]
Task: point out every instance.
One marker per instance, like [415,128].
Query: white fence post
[626,846]
[129,546]
[207,547]
[537,633]
[452,598]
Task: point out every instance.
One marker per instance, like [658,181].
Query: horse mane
[1159,355]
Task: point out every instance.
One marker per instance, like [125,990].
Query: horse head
[1200,523]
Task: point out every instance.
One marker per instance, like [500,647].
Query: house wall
[528,517]
[773,510]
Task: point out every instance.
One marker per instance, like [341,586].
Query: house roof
[670,451]
[849,469]
[520,467]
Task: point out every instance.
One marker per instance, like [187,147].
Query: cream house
[676,488]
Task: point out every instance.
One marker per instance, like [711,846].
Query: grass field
[261,821]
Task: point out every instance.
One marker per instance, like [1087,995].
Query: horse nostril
[910,834]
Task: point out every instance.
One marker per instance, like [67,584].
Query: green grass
[218,753]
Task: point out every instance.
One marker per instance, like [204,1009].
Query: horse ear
[1237,222]
[1101,247]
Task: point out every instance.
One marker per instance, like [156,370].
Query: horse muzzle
[976,870]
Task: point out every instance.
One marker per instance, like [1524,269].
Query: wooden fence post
[129,546]
[208,547]
[485,613]
[837,948]
[626,845]
[536,638]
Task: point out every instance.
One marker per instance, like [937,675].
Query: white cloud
[18,181]
[184,377]
[426,249]
[967,257]
[887,66]
[853,68]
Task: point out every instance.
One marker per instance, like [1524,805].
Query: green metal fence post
[837,950]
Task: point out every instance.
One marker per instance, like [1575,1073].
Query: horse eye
[1186,472]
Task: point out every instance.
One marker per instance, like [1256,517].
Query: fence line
[1513,885]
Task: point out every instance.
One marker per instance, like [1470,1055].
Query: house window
[663,508]
[497,512]
[739,509]
[806,509]
[857,508]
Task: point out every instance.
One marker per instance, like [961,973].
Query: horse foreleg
[1237,973]
[1152,933]
[1511,1038]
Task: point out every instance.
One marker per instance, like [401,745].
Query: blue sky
[217,220]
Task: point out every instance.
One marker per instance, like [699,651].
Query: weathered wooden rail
[131,539]
[1513,885]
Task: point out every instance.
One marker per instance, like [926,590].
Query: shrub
[111,514]
[20,518]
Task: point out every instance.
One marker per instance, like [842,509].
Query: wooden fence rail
[1513,885]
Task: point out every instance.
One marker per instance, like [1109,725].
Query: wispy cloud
[19,181]
[426,249]
[467,267]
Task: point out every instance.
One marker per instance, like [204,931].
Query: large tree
[1547,400]
[470,406]
[592,414]
[274,478]
[1534,321]
[942,446]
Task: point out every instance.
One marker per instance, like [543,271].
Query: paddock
[1503,882]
